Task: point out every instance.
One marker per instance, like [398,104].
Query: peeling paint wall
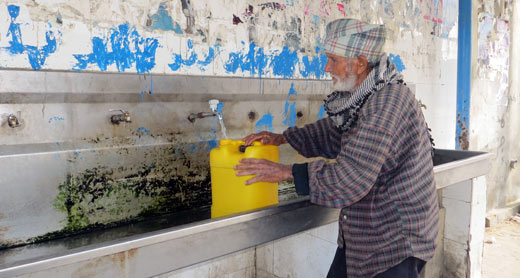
[261,39]
[493,102]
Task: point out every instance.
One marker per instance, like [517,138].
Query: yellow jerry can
[229,192]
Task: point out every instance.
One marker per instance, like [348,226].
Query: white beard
[348,84]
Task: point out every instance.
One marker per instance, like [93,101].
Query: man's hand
[266,138]
[263,170]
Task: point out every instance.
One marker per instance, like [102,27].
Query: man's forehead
[330,55]
[338,57]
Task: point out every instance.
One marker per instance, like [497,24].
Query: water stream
[222,126]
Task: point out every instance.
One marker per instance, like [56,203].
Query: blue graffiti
[142,131]
[396,59]
[290,108]
[220,106]
[162,20]
[56,119]
[36,56]
[282,63]
[321,113]
[192,58]
[315,66]
[265,123]
[292,91]
[254,61]
[128,49]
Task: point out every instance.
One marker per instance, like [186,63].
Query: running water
[222,126]
[213,104]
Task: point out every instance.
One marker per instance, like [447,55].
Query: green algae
[103,197]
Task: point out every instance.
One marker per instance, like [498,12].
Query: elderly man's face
[343,71]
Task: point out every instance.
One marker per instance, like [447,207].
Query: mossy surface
[100,197]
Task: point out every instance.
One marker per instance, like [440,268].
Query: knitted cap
[352,38]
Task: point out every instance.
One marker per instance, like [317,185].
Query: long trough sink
[175,241]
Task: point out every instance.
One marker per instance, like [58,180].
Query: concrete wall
[494,99]
[232,38]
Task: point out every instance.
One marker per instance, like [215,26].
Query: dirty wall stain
[163,21]
[36,56]
[124,47]
[104,197]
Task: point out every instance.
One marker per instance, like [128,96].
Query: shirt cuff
[301,178]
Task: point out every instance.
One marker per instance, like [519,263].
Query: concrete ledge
[499,215]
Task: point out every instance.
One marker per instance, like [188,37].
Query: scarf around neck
[343,106]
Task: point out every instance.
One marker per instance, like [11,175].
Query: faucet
[14,120]
[124,116]
[213,105]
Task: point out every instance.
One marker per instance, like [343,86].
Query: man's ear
[361,64]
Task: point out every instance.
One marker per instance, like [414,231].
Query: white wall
[275,39]
[493,99]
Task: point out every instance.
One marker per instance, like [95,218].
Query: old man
[382,175]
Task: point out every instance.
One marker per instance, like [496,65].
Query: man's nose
[328,67]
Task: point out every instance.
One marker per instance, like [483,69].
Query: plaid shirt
[382,180]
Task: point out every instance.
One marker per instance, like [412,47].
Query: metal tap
[213,105]
[193,116]
[118,118]
[13,121]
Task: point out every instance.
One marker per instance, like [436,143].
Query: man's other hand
[263,170]
[266,138]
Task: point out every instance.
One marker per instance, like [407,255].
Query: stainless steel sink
[174,241]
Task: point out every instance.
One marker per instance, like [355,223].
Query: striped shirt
[382,179]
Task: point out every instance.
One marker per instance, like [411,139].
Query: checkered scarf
[343,107]
[352,38]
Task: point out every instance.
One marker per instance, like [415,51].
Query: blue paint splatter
[142,131]
[315,66]
[220,105]
[321,113]
[316,20]
[192,58]
[128,49]
[56,119]
[162,20]
[284,63]
[265,123]
[290,114]
[36,56]
[213,143]
[292,91]
[255,61]
[290,108]
[396,59]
